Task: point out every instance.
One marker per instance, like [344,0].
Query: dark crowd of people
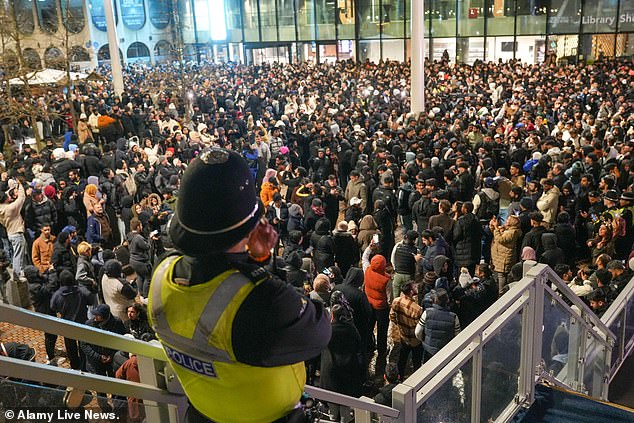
[406,226]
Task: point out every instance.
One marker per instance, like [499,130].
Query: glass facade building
[326,30]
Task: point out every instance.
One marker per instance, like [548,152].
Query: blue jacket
[93,230]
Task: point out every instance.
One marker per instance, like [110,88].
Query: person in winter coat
[63,258]
[99,229]
[467,237]
[42,250]
[137,323]
[117,292]
[362,311]
[295,219]
[269,188]
[295,275]
[533,238]
[443,219]
[404,315]
[341,370]
[367,229]
[437,325]
[375,286]
[486,203]
[548,203]
[552,255]
[346,248]
[71,302]
[566,235]
[385,223]
[505,247]
[470,296]
[277,215]
[85,273]
[41,289]
[140,256]
[39,212]
[99,359]
[357,188]
[392,378]
[90,198]
[323,245]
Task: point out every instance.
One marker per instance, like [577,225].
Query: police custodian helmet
[217,205]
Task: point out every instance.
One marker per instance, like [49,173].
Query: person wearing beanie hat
[217,280]
[99,359]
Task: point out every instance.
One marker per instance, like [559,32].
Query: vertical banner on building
[133,13]
[160,13]
[98,14]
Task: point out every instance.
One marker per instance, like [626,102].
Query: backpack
[403,207]
[488,208]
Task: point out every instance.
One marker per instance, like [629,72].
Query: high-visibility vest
[194,325]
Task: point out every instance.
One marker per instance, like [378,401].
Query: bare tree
[17,103]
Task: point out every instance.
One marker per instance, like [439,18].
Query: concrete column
[417,91]
[113,46]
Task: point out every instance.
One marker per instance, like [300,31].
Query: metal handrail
[55,375]
[615,309]
[528,294]
[357,403]
[42,373]
[66,328]
[563,288]
[474,331]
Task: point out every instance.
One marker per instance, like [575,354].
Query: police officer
[236,336]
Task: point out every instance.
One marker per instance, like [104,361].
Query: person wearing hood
[117,292]
[63,258]
[70,302]
[549,202]
[41,289]
[375,286]
[269,188]
[362,310]
[323,245]
[385,223]
[295,275]
[140,256]
[296,219]
[552,255]
[467,237]
[505,247]
[367,230]
[566,237]
[346,248]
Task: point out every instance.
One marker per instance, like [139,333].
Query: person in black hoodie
[41,288]
[362,311]
[533,238]
[566,235]
[552,255]
[295,275]
[140,256]
[385,223]
[71,302]
[62,258]
[323,245]
[346,249]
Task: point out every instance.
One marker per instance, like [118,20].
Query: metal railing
[162,395]
[488,371]
[619,317]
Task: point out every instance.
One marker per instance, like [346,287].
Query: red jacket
[376,283]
